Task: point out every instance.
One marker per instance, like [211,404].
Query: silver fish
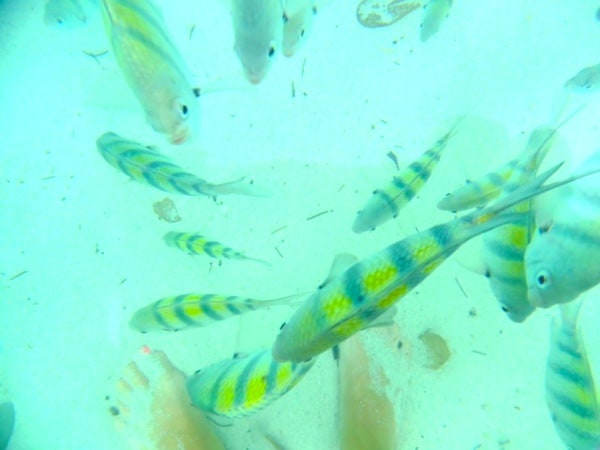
[258,30]
[152,66]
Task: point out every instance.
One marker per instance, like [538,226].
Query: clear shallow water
[78,228]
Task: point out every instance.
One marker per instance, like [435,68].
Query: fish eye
[544,228]
[184,111]
[271,51]
[542,278]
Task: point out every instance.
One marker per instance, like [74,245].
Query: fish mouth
[180,136]
[535,299]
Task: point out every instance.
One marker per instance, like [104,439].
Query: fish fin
[341,262]
[7,423]
[470,257]
[384,320]
[569,312]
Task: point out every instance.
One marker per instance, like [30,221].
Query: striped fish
[434,13]
[243,385]
[298,17]
[186,311]
[152,66]
[504,247]
[258,30]
[570,386]
[147,165]
[561,260]
[385,203]
[480,192]
[351,301]
[196,244]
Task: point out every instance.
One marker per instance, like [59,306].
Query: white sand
[63,324]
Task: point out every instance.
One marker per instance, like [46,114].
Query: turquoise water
[82,249]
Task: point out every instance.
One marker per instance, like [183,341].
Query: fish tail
[291,300]
[170,238]
[236,187]
[526,191]
[261,261]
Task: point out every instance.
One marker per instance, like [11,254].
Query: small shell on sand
[437,351]
[381,13]
[166,210]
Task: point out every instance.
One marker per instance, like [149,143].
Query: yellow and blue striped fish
[480,192]
[570,386]
[504,247]
[385,203]
[148,166]
[243,385]
[196,244]
[152,66]
[351,301]
[182,312]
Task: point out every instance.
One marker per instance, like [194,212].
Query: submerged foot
[154,411]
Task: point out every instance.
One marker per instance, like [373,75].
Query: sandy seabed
[81,247]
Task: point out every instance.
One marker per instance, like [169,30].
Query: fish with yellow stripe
[570,387]
[356,297]
[385,203]
[182,312]
[152,66]
[244,384]
[196,244]
[504,247]
[478,193]
[147,165]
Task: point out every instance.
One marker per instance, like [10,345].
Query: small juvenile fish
[352,300]
[570,386]
[258,31]
[152,66]
[587,80]
[480,192]
[147,165]
[385,203]
[561,260]
[186,311]
[196,244]
[298,17]
[69,13]
[434,13]
[243,385]
[504,247]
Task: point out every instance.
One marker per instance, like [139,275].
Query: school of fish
[541,239]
